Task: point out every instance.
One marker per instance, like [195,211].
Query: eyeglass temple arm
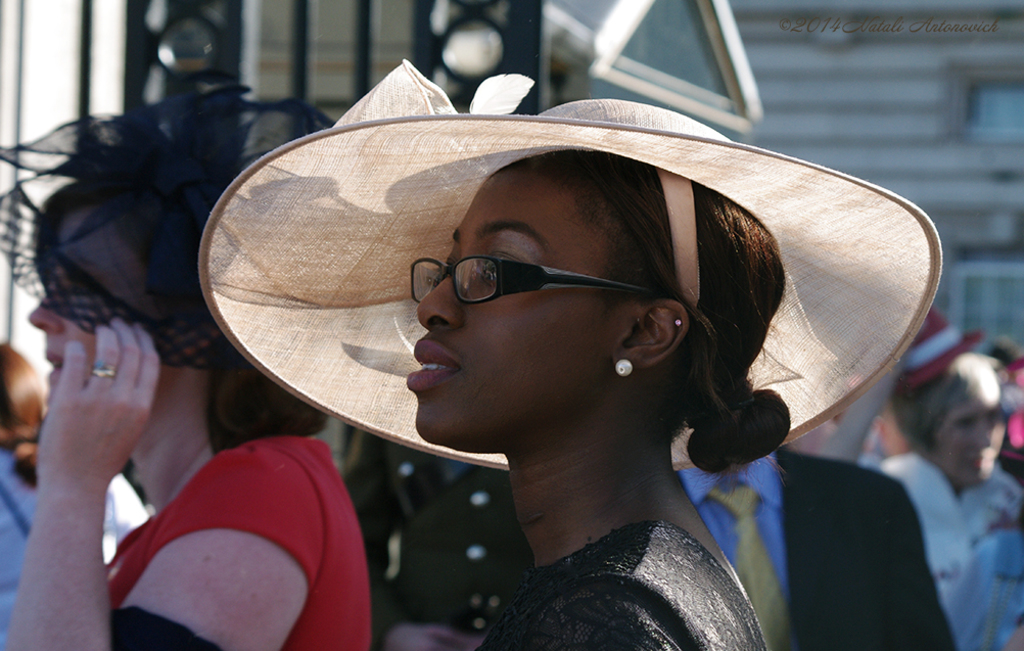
[517,278]
[559,278]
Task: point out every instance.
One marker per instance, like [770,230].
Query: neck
[175,443]
[569,498]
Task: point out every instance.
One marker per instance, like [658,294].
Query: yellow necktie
[754,567]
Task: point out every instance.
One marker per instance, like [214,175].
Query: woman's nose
[440,307]
[45,319]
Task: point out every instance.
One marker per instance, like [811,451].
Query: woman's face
[59,331]
[968,439]
[496,373]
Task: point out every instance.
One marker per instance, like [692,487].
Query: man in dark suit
[443,545]
[846,546]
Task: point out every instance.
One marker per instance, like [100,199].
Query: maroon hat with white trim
[934,348]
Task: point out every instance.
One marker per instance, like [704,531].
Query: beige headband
[682,219]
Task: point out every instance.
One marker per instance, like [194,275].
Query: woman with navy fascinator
[254,544]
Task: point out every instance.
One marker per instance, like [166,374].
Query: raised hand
[97,412]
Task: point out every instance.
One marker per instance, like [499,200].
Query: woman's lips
[438,366]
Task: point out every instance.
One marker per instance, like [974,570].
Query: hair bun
[749,429]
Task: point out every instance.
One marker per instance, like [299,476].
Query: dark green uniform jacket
[457,552]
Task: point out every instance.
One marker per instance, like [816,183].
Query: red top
[287,490]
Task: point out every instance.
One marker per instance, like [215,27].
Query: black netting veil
[108,223]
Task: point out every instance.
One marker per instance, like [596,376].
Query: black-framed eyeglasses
[480,278]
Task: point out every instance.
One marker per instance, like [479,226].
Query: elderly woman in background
[955,426]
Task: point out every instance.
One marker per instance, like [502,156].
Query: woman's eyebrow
[490,228]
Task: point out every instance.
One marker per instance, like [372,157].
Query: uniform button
[476,601]
[480,499]
[405,469]
[479,623]
[476,552]
[494,601]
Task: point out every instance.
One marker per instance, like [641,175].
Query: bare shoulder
[233,588]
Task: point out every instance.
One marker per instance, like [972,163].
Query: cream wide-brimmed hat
[305,259]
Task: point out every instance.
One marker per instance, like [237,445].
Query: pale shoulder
[236,589]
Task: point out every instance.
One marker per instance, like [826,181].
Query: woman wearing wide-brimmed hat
[255,543]
[599,294]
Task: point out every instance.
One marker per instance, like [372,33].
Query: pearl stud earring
[623,367]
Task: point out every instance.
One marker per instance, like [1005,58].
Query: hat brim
[305,260]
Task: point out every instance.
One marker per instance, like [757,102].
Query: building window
[988,296]
[995,110]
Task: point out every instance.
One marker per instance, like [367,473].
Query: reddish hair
[22,404]
[246,405]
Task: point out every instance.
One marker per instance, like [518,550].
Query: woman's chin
[452,436]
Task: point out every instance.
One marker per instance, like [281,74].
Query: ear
[659,329]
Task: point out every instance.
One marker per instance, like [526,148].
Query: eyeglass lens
[426,275]
[475,278]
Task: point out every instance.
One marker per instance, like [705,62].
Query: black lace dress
[648,585]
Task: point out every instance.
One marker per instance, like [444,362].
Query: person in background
[22,402]
[867,432]
[1011,457]
[255,543]
[460,552]
[987,599]
[844,546]
[954,425]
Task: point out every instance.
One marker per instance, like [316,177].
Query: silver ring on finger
[104,370]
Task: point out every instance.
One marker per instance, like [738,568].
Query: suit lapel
[810,532]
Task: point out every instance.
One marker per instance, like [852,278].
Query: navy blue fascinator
[109,223]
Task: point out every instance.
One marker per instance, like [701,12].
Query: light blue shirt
[761,475]
[990,587]
[17,505]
